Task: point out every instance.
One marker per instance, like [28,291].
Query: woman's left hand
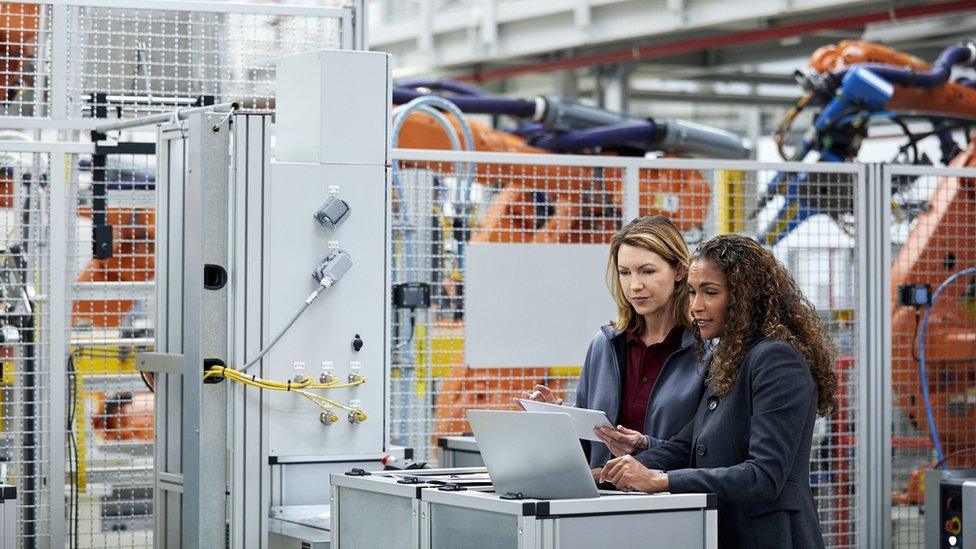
[629,475]
[621,441]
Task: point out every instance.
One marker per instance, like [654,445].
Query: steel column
[873,206]
[57,333]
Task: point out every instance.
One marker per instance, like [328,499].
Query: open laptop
[537,454]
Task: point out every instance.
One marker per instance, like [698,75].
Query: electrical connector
[332,268]
[328,378]
[328,417]
[355,369]
[356,417]
[332,213]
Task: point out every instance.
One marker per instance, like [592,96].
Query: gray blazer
[674,397]
[751,448]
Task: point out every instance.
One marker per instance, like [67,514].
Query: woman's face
[709,295]
[646,279]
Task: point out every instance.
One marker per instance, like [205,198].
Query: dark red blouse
[644,364]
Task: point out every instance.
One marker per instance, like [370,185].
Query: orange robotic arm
[941,241]
[585,206]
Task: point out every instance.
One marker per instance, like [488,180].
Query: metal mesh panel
[820,253]
[24,386]
[110,407]
[152,60]
[933,233]
[433,222]
[25,59]
[526,203]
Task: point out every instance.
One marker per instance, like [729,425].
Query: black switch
[357,343]
[411,295]
[915,295]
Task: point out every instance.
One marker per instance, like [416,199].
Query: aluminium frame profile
[873,321]
[192,231]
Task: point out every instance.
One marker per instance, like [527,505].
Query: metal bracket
[160,363]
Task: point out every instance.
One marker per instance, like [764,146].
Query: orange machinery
[132,260]
[942,240]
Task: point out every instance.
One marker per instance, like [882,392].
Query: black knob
[357,343]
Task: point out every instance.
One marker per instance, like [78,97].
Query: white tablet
[584,419]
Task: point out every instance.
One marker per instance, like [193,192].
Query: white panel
[534,304]
[333,107]
[354,305]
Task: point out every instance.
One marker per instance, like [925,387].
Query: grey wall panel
[354,305]
[534,304]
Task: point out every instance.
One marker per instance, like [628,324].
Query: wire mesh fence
[78,59]
[25,349]
[25,59]
[443,210]
[441,207]
[110,406]
[139,61]
[933,336]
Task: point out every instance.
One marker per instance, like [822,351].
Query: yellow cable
[296,386]
[255,381]
[336,385]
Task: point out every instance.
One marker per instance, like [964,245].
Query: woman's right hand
[540,393]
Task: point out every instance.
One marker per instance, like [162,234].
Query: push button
[700,450]
[712,403]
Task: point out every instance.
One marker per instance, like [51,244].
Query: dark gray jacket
[674,397]
[751,447]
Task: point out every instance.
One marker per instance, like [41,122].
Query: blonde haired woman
[641,370]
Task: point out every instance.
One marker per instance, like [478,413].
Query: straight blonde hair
[656,234]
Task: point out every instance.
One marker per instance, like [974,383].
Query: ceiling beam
[713,97]
[714,74]
[726,40]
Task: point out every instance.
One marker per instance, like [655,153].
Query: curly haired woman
[769,377]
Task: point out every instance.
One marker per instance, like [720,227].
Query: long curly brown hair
[764,302]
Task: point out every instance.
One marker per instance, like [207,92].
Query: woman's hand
[596,472]
[621,441]
[540,393]
[629,475]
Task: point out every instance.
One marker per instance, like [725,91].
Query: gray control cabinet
[395,496]
[420,513]
[950,509]
[477,520]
